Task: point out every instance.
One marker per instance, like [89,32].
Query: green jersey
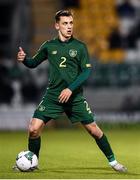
[69,64]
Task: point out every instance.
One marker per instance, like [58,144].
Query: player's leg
[100,139]
[104,145]
[34,141]
[47,109]
[35,128]
[79,110]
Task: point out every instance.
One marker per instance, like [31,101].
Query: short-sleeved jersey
[66,61]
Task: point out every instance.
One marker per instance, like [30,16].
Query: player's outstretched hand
[65,95]
[21,55]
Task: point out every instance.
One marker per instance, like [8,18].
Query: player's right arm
[38,58]
[21,55]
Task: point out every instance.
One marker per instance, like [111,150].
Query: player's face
[65,27]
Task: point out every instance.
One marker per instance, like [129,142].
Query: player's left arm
[80,79]
[86,69]
[66,93]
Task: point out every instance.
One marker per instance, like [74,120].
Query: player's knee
[95,131]
[33,132]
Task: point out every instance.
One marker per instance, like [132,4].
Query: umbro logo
[54,52]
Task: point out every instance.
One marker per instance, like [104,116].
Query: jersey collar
[63,42]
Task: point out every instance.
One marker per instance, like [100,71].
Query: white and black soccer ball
[26,161]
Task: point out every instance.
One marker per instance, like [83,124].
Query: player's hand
[21,55]
[65,95]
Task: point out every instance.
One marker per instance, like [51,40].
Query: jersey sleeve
[84,58]
[85,69]
[38,58]
[79,80]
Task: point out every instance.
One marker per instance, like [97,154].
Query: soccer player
[69,68]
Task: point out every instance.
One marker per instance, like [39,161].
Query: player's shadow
[89,170]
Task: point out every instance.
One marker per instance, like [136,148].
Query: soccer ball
[26,161]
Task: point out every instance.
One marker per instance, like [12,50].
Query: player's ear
[56,26]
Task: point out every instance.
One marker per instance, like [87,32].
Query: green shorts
[77,109]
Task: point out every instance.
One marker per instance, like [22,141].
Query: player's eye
[65,23]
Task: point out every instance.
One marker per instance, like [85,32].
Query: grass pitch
[73,154]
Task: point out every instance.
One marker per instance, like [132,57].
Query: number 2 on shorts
[87,107]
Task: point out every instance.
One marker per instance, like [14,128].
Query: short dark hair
[62,13]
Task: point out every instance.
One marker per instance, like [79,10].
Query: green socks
[105,148]
[34,145]
[103,144]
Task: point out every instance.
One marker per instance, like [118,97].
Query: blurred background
[111,30]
